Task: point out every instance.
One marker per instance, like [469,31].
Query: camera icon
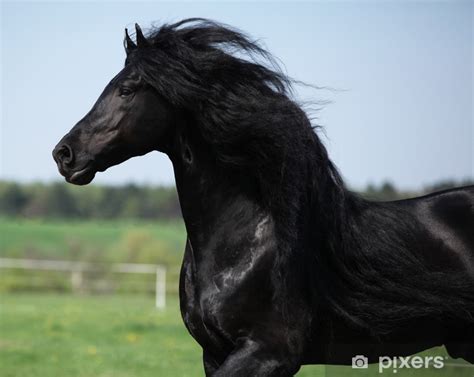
[360,362]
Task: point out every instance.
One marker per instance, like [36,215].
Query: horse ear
[141,40]
[128,43]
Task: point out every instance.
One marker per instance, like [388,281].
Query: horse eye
[125,91]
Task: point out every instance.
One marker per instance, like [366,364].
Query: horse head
[129,119]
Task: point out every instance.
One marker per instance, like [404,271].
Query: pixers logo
[394,364]
[410,362]
[360,362]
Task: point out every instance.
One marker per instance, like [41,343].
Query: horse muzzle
[65,159]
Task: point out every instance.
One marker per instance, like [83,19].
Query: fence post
[160,300]
[76,280]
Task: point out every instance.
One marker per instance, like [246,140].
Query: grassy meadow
[49,335]
[47,331]
[99,241]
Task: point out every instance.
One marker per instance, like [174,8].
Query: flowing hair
[361,260]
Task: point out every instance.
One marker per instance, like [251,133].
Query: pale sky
[404,111]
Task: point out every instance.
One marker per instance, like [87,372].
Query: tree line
[61,200]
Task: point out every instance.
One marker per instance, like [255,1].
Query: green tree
[12,199]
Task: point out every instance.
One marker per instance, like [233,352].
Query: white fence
[77,269]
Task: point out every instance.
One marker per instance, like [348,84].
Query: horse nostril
[64,154]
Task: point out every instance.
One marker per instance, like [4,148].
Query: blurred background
[82,282]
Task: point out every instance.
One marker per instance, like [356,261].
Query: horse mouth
[82,177]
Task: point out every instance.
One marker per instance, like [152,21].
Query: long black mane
[242,104]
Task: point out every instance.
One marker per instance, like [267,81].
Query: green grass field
[47,335]
[72,239]
[103,242]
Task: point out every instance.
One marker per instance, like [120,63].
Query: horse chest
[216,299]
[202,308]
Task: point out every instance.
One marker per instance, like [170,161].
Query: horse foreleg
[210,364]
[253,359]
[461,344]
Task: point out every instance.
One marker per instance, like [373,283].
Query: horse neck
[207,191]
[207,194]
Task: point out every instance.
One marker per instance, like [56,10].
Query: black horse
[283,265]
